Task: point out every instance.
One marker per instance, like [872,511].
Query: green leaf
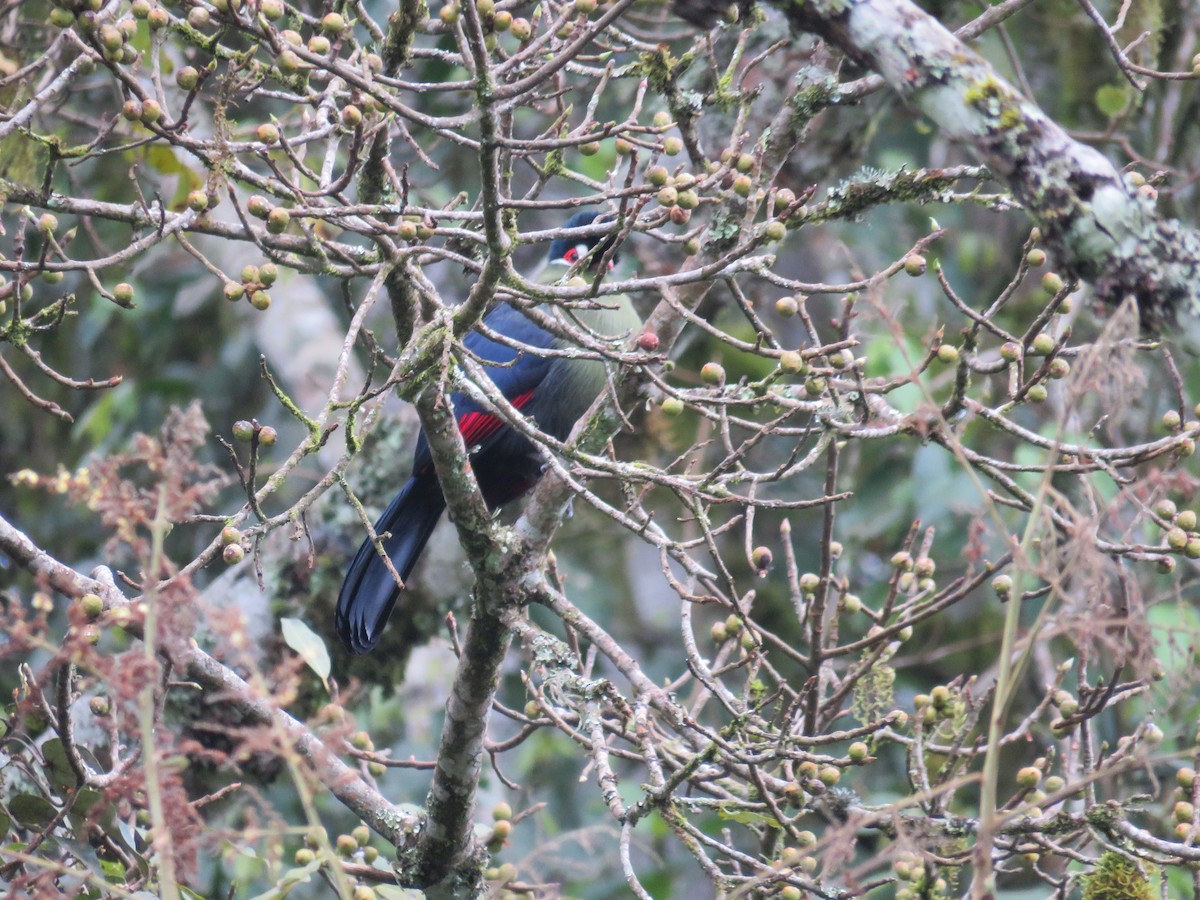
[58,768]
[1112,99]
[31,811]
[289,880]
[309,645]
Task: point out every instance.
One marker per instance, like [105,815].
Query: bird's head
[570,250]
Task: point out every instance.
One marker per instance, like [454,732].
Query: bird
[552,391]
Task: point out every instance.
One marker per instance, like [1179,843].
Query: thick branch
[1099,226]
[197,666]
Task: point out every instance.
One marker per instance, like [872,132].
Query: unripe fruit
[784,197]
[158,19]
[250,274]
[351,116]
[268,273]
[100,706]
[230,535]
[233,553]
[346,845]
[858,751]
[688,199]
[658,175]
[691,246]
[260,300]
[672,146]
[197,201]
[1171,420]
[585,7]
[289,63]
[591,148]
[830,775]
[623,147]
[47,223]
[1185,447]
[319,44]
[734,623]
[851,603]
[259,206]
[815,386]
[278,220]
[915,265]
[1185,778]
[775,231]
[187,77]
[304,856]
[243,430]
[787,307]
[1010,351]
[745,163]
[667,196]
[1002,585]
[1028,777]
[1186,520]
[198,17]
[761,559]
[1052,283]
[1037,393]
[267,436]
[333,24]
[947,355]
[680,216]
[672,406]
[1035,257]
[742,185]
[111,37]
[501,830]
[809,582]
[92,605]
[267,133]
[1183,811]
[662,119]
[62,18]
[502,20]
[713,373]
[1042,345]
[1058,368]
[132,110]
[719,633]
[151,112]
[124,293]
[521,29]
[792,362]
[449,13]
[234,291]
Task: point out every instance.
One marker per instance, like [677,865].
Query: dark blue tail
[369,591]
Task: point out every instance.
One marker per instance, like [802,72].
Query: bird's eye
[572,255]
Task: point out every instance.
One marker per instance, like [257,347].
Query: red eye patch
[572,255]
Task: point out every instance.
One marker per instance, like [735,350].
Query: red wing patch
[477,427]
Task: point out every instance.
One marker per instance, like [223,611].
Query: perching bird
[552,391]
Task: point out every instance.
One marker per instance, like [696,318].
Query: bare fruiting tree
[884,528]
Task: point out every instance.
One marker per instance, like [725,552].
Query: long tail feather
[369,591]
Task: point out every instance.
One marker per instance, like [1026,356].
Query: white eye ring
[581,250]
